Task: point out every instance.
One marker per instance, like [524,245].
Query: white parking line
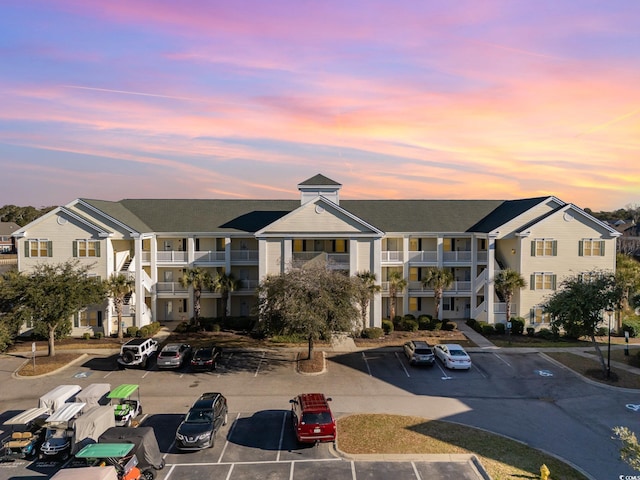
[445,374]
[260,364]
[402,364]
[230,471]
[291,470]
[146,373]
[415,470]
[235,422]
[284,421]
[502,359]
[366,363]
[353,470]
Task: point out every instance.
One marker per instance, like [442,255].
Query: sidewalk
[481,341]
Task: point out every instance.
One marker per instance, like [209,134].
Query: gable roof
[319,180]
[7,228]
[64,210]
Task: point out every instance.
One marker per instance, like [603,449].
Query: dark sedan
[202,422]
[206,358]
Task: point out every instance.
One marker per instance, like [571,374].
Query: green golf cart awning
[123,391]
[105,450]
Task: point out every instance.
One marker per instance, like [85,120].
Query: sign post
[626,343]
[33,354]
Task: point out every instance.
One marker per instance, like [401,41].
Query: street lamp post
[609,347]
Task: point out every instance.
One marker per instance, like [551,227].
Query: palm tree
[396,285]
[438,279]
[225,283]
[368,288]
[118,287]
[507,282]
[198,279]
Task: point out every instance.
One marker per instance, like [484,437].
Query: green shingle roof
[249,216]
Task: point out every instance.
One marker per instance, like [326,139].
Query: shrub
[631,324]
[472,323]
[424,323]
[145,331]
[602,331]
[86,336]
[500,328]
[408,325]
[449,326]
[409,316]
[372,332]
[488,329]
[132,331]
[182,327]
[239,323]
[387,326]
[547,334]
[517,325]
[435,325]
[98,335]
[531,331]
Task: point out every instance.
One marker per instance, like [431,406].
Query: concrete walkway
[482,342]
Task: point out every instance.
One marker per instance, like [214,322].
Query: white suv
[136,352]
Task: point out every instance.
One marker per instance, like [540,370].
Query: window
[415,304]
[543,247]
[86,248]
[448,304]
[591,248]
[298,245]
[414,244]
[38,248]
[539,316]
[447,244]
[340,246]
[89,318]
[543,281]
[414,275]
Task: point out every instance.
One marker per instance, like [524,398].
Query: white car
[453,356]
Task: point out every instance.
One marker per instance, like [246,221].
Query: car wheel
[226,418]
[148,474]
[144,362]
[128,356]
[140,410]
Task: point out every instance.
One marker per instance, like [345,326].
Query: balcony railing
[244,255]
[337,259]
[457,286]
[248,284]
[212,256]
[171,256]
[460,256]
[392,256]
[170,287]
[426,256]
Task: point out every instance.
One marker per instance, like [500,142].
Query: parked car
[202,422]
[206,358]
[419,353]
[453,356]
[174,355]
[312,418]
[137,352]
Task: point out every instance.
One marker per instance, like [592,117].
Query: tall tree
[578,307]
[52,294]
[628,278]
[118,286]
[507,283]
[312,301]
[437,279]
[198,279]
[397,283]
[225,283]
[366,289]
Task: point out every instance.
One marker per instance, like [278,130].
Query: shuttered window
[591,248]
[543,281]
[544,247]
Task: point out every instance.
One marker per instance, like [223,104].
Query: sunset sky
[406,99]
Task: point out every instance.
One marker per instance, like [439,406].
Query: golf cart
[27,434]
[60,431]
[144,440]
[125,408]
[118,455]
[107,472]
[94,394]
[57,397]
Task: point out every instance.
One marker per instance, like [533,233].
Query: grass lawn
[394,434]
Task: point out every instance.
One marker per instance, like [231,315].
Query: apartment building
[155,240]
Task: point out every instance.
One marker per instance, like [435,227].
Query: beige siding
[509,228]
[274,256]
[307,220]
[62,234]
[365,250]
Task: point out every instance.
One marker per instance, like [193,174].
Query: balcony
[244,256]
[457,286]
[459,256]
[171,256]
[392,256]
[210,256]
[170,288]
[338,261]
[245,285]
[425,256]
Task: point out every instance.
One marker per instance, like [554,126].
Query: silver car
[174,355]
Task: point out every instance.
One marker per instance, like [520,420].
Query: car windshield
[457,353]
[316,418]
[200,416]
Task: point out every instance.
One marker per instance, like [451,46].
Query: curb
[17,376]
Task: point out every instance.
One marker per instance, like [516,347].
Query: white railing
[482,277]
[457,286]
[481,257]
[457,256]
[248,284]
[330,258]
[211,256]
[392,256]
[244,255]
[147,283]
[146,256]
[426,256]
[171,256]
[170,287]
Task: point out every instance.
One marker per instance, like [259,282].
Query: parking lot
[258,441]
